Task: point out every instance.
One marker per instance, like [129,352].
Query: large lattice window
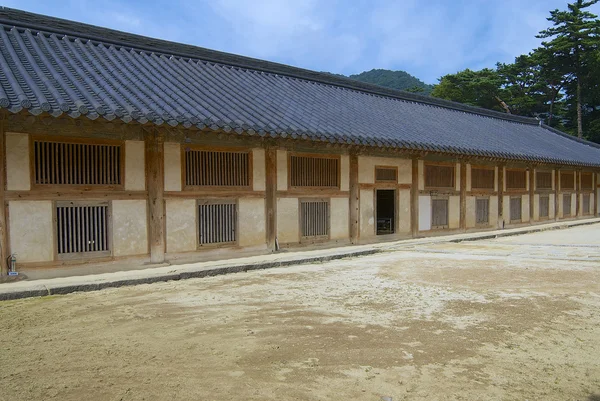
[516,179]
[207,168]
[567,180]
[217,222]
[439,176]
[82,229]
[482,211]
[544,206]
[76,163]
[439,213]
[482,178]
[567,204]
[585,207]
[386,174]
[543,179]
[587,181]
[516,209]
[314,171]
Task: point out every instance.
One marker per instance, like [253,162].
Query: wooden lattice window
[516,179]
[567,180]
[515,208]
[82,229]
[386,174]
[314,171]
[314,218]
[208,168]
[585,204]
[482,211]
[76,163]
[567,204]
[544,206]
[217,222]
[543,179]
[482,178]
[439,213]
[587,181]
[439,176]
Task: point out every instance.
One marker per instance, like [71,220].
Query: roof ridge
[571,137]
[44,23]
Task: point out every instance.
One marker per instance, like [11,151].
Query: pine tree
[574,36]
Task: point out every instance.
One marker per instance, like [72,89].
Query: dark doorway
[386,211]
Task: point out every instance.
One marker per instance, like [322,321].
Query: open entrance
[386,211]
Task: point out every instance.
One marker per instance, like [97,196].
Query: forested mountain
[401,80]
[559,82]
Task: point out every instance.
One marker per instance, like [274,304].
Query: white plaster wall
[288,226]
[471,217]
[453,212]
[598,200]
[181,225]
[493,211]
[340,223]
[31,230]
[366,168]
[282,173]
[561,213]
[18,176]
[135,175]
[536,207]
[259,178]
[344,173]
[172,166]
[506,209]
[525,208]
[573,204]
[404,211]
[424,213]
[367,213]
[130,229]
[551,207]
[252,222]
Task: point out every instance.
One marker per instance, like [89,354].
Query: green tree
[574,36]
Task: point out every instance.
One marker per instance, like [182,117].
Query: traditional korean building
[118,146]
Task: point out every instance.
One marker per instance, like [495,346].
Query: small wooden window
[567,204]
[516,179]
[439,213]
[544,206]
[482,211]
[206,168]
[482,178]
[314,171]
[567,180]
[439,176]
[587,181]
[515,208]
[314,218]
[71,163]
[217,222]
[543,179]
[386,174]
[585,204]
[82,229]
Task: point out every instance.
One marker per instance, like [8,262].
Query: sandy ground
[510,319]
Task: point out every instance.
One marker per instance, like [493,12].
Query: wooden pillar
[354,200]
[155,184]
[463,195]
[556,192]
[3,222]
[271,195]
[531,191]
[501,193]
[577,192]
[595,188]
[414,197]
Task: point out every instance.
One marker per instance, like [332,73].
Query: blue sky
[426,38]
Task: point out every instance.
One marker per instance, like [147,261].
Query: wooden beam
[463,195]
[271,195]
[3,220]
[354,200]
[155,185]
[414,198]
[531,191]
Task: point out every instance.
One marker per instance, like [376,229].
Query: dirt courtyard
[506,319]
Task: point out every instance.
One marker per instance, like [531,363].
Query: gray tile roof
[53,66]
